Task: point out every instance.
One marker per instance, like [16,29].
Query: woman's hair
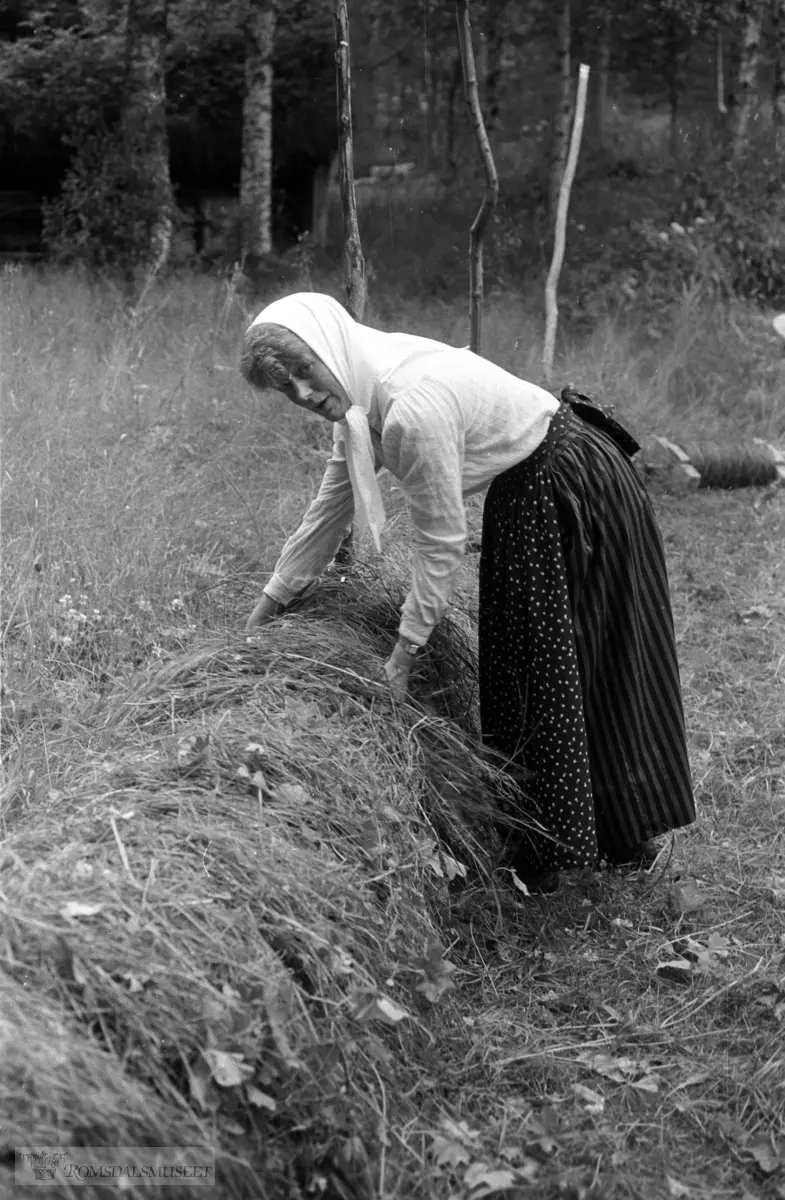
[271,354]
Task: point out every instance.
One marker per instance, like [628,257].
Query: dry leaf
[390,1011]
[593,1101]
[260,1099]
[233,1128]
[757,610]
[649,1083]
[134,983]
[766,1155]
[459,1131]
[79,972]
[448,1153]
[278,1001]
[617,1069]
[452,868]
[676,1189]
[436,972]
[482,1180]
[228,1070]
[192,750]
[75,908]
[199,1084]
[369,1006]
[687,897]
[676,970]
[292,795]
[518,883]
[691,1080]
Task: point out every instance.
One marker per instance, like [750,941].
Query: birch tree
[144,124]
[750,15]
[778,16]
[563,108]
[256,207]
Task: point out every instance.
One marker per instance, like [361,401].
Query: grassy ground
[232,878]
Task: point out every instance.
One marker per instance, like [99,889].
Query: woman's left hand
[397,670]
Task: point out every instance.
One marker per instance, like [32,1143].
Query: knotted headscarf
[357,356]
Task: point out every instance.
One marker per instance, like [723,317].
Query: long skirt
[579,679]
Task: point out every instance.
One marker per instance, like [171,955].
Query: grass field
[246,904]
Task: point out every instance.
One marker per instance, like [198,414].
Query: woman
[579,682]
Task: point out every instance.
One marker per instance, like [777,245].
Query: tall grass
[146,490]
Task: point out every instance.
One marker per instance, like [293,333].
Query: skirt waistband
[560,422]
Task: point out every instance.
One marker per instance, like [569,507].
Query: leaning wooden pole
[560,230]
[356,287]
[480,223]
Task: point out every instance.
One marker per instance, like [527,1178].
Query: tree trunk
[779,67]
[256,207]
[560,227]
[561,116]
[491,179]
[674,86]
[747,98]
[719,51]
[144,125]
[602,67]
[356,286]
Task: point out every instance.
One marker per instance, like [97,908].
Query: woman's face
[316,389]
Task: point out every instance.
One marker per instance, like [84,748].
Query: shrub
[107,204]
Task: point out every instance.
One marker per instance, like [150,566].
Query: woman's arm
[423,444]
[309,550]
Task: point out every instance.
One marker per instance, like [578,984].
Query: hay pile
[224,928]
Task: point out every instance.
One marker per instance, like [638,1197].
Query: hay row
[223,914]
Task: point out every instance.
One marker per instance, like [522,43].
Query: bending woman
[579,680]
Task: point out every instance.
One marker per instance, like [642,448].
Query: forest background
[185,129]
[245,902]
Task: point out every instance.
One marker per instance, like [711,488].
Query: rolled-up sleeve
[423,446]
[316,542]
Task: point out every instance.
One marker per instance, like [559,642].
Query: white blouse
[450,423]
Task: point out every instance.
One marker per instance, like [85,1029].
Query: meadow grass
[247,903]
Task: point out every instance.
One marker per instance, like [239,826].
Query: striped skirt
[579,680]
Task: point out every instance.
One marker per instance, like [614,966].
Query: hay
[221,915]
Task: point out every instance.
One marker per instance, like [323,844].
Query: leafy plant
[107,203]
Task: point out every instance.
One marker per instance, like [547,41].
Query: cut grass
[262,830]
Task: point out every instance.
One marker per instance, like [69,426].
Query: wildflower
[177,604]
[67,640]
[66,599]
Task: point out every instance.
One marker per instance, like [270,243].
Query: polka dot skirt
[579,681]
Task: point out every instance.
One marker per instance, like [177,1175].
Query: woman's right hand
[265,611]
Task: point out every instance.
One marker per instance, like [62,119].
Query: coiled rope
[722,466]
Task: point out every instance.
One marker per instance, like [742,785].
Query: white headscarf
[357,356]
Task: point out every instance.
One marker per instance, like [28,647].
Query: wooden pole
[560,231]
[485,212]
[356,286]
